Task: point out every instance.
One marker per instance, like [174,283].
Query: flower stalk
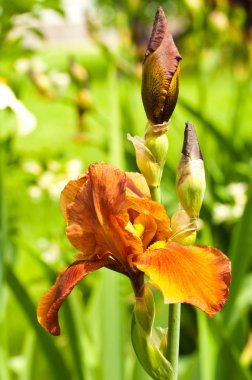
[173,338]
[174,311]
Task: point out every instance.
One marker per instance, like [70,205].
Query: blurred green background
[84,91]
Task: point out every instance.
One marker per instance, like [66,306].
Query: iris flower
[113,223]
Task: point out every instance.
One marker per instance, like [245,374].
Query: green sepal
[148,354]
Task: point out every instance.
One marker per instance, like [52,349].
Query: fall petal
[198,275]
[52,300]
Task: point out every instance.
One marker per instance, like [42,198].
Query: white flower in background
[26,121]
[56,188]
[222,213]
[238,191]
[50,250]
[74,168]
[219,20]
[52,183]
[24,65]
[31,166]
[231,212]
[56,177]
[46,180]
[60,80]
[35,192]
[54,166]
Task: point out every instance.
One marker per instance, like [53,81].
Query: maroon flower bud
[160,81]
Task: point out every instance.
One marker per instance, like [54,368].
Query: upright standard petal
[83,229]
[137,186]
[52,300]
[198,275]
[70,191]
[98,221]
[156,211]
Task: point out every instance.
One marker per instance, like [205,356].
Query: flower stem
[173,338]
[174,315]
[112,312]
[155,193]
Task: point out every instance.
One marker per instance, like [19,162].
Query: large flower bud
[160,82]
[148,353]
[191,183]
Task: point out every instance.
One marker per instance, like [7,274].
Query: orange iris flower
[113,222]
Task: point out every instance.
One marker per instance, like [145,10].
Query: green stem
[173,338]
[174,315]
[155,193]
[112,312]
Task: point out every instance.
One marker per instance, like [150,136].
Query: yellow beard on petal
[139,229]
[158,245]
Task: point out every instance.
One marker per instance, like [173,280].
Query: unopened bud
[146,161]
[151,153]
[83,99]
[190,180]
[145,310]
[78,72]
[149,355]
[160,79]
[156,141]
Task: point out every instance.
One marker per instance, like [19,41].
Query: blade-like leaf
[242,303]
[224,141]
[72,329]
[29,351]
[228,365]
[55,361]
[241,255]
[207,348]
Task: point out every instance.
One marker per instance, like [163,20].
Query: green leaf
[29,350]
[111,307]
[241,255]
[223,141]
[243,302]
[69,311]
[55,360]
[228,365]
[189,368]
[74,339]
[207,348]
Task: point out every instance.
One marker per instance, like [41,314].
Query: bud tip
[191,146]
